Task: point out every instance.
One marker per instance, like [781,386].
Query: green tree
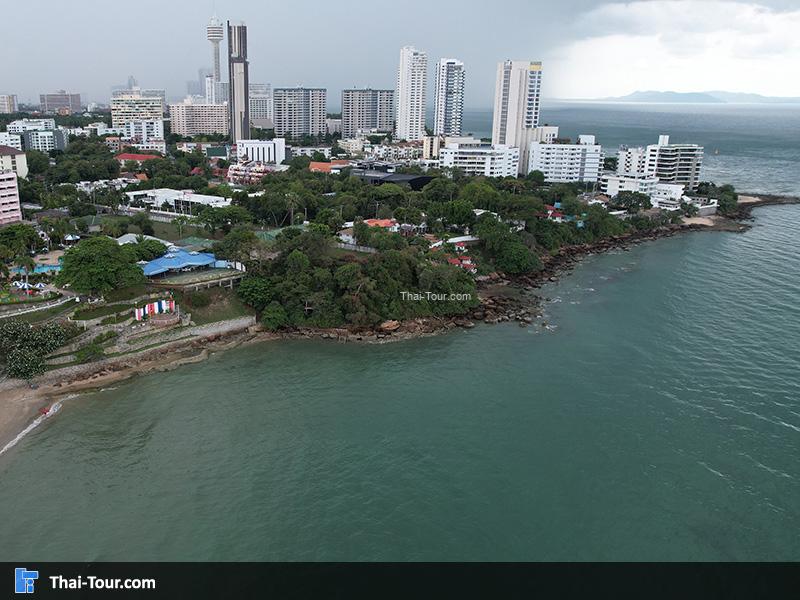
[98,265]
[25,262]
[38,162]
[274,317]
[255,292]
[180,222]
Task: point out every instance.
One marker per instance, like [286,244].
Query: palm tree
[27,265]
[180,222]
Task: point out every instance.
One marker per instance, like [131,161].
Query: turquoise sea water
[754,147]
[659,419]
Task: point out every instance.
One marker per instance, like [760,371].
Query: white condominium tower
[238,82]
[135,105]
[516,102]
[215,33]
[366,110]
[675,163]
[412,75]
[298,112]
[449,101]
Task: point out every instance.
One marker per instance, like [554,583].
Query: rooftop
[138,157]
[175,260]
[9,151]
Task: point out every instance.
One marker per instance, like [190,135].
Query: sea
[651,413]
[755,147]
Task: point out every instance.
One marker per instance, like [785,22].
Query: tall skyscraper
[366,109]
[238,82]
[412,76]
[516,101]
[214,33]
[449,101]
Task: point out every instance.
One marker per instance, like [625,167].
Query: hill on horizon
[713,97]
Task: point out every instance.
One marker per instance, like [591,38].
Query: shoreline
[502,299]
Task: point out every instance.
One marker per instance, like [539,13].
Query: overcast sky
[590,49]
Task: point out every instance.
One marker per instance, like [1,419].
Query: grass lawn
[342,253]
[47,313]
[85,314]
[224,305]
[166,231]
[128,293]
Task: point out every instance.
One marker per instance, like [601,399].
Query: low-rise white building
[22,125]
[567,163]
[474,157]
[264,151]
[309,151]
[352,145]
[175,201]
[612,185]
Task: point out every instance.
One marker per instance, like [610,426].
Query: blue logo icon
[24,580]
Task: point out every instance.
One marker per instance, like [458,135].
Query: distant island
[715,97]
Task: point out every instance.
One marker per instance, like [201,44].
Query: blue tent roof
[177,259]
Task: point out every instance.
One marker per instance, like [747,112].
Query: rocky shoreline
[502,299]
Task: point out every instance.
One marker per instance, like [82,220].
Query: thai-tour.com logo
[24,580]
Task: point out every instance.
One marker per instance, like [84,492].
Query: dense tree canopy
[98,265]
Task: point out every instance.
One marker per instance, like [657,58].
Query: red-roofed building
[463,262]
[388,224]
[139,158]
[334,167]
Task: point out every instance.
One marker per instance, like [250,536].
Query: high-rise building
[45,140]
[412,76]
[11,139]
[10,211]
[449,100]
[60,101]
[567,163]
[669,163]
[365,110]
[299,111]
[135,105]
[238,83]
[8,104]
[261,105]
[632,162]
[188,118]
[13,159]
[675,163]
[214,33]
[516,102]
